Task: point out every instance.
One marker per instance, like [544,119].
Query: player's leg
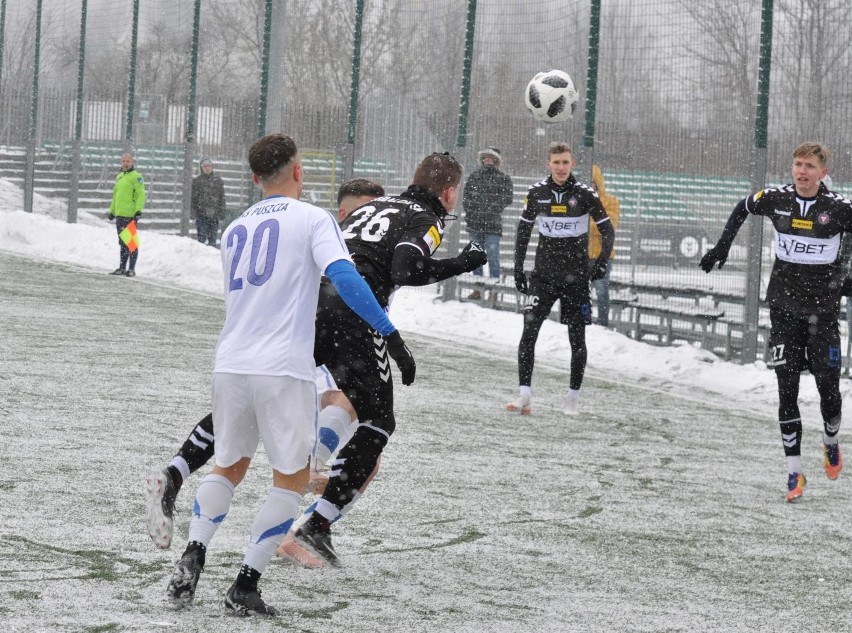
[825,364]
[162,486]
[286,409]
[576,313]
[536,309]
[787,340]
[358,371]
[237,437]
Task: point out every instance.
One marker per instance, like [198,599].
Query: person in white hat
[487,193]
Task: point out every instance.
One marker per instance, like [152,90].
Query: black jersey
[373,231]
[562,213]
[808,272]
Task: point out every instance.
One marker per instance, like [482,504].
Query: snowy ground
[660,508]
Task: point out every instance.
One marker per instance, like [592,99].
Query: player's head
[354,193]
[441,175]
[810,166]
[560,161]
[274,162]
[206,165]
[127,161]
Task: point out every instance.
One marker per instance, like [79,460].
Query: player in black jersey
[562,208]
[391,241]
[803,296]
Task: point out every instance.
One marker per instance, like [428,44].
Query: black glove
[137,215]
[401,356]
[717,254]
[111,215]
[472,257]
[846,288]
[597,269]
[521,282]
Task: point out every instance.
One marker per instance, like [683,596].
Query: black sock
[247,578]
[177,478]
[195,546]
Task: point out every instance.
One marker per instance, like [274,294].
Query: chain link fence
[368,87]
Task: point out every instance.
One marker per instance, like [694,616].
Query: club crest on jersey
[572,201]
[432,239]
[822,218]
[558,209]
[802,224]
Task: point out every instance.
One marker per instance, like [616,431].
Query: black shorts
[357,357]
[800,341]
[575,307]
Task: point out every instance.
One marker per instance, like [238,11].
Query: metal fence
[686,106]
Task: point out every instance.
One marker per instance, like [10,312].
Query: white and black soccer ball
[551,96]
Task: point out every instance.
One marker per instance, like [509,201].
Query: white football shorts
[280,410]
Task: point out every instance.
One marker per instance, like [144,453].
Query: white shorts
[280,410]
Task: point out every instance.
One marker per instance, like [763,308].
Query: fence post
[453,238]
[74,194]
[29,174]
[264,68]
[131,81]
[349,155]
[189,146]
[751,312]
[587,151]
[2,37]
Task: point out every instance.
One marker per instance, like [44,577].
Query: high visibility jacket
[611,205]
[128,194]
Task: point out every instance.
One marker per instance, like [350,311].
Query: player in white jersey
[263,382]
[336,424]
[804,298]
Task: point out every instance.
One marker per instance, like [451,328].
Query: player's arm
[607,232]
[411,267]
[522,241]
[719,253]
[360,298]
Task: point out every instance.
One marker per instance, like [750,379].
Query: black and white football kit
[803,295]
[561,271]
[391,240]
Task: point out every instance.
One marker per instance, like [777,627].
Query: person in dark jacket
[208,203]
[487,193]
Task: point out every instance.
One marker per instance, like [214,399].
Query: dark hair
[437,172]
[271,153]
[359,187]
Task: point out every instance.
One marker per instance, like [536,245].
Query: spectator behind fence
[128,200]
[612,207]
[208,203]
[487,193]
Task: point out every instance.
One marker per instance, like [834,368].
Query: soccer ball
[551,96]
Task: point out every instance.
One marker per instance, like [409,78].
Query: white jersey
[273,256]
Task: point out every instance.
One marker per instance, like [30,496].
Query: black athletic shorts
[801,341]
[357,357]
[575,307]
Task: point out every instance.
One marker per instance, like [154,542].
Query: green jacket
[128,195]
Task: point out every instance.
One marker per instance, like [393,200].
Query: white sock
[327,510]
[574,394]
[181,465]
[526,390]
[333,421]
[794,464]
[212,501]
[270,526]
